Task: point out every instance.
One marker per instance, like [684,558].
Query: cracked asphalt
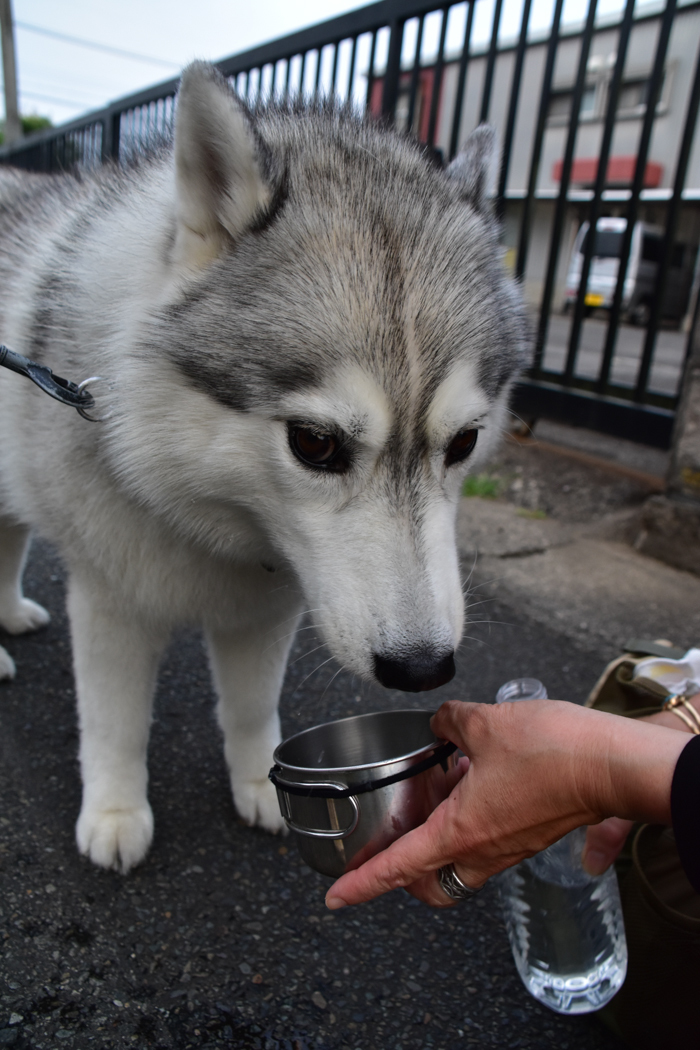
[220,938]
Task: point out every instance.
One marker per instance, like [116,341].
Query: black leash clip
[76,395]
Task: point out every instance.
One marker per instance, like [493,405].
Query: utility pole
[13,127]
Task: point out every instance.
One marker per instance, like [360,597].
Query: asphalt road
[667,365]
[221,937]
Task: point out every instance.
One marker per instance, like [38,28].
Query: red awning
[620,171]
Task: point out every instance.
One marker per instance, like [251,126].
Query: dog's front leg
[248,668]
[17,613]
[116,659]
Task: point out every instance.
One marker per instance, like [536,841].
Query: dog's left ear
[220,186]
[470,168]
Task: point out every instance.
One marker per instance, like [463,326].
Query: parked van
[642,270]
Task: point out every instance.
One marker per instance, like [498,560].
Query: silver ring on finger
[453,886]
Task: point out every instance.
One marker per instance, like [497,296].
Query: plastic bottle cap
[521,689]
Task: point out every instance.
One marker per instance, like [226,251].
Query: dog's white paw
[23,616]
[115,838]
[256,802]
[7,665]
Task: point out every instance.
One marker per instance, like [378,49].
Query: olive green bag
[656,1008]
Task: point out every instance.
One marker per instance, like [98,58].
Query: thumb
[603,844]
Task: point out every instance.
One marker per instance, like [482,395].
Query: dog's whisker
[304,655]
[471,571]
[341,668]
[493,623]
[311,673]
[521,420]
[475,605]
[292,634]
[305,612]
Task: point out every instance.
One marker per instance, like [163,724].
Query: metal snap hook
[81,411]
[64,390]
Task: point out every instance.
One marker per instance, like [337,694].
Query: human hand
[519,794]
[537,770]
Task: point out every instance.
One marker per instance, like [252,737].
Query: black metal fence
[436,74]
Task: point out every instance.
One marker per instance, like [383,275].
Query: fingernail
[595,862]
[335,902]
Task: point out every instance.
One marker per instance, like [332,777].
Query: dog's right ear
[219,181]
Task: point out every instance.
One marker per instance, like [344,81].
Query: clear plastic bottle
[565,926]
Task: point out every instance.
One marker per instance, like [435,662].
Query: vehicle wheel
[640,314]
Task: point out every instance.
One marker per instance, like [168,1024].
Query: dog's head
[345,340]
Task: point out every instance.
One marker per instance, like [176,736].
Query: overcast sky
[62,79]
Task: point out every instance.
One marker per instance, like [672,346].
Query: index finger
[414,855]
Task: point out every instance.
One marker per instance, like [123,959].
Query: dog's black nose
[416,672]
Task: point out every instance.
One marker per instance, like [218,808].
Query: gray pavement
[221,938]
[599,592]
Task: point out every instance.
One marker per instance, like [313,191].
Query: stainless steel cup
[348,789]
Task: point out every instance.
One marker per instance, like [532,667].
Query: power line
[52,98]
[80,42]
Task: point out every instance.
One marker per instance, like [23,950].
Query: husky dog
[308,339]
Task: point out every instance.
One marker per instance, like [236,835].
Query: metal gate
[553,92]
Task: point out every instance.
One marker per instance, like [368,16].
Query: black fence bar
[111,125]
[562,200]
[652,99]
[390,92]
[351,74]
[437,78]
[669,237]
[490,63]
[600,181]
[462,79]
[580,408]
[513,108]
[526,221]
[334,73]
[415,75]
[370,71]
[319,63]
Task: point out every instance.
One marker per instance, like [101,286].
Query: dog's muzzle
[415,672]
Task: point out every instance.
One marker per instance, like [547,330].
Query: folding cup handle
[319,833]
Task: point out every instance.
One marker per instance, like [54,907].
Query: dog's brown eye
[461,447]
[317,449]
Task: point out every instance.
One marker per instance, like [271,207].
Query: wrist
[641,759]
[686,711]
